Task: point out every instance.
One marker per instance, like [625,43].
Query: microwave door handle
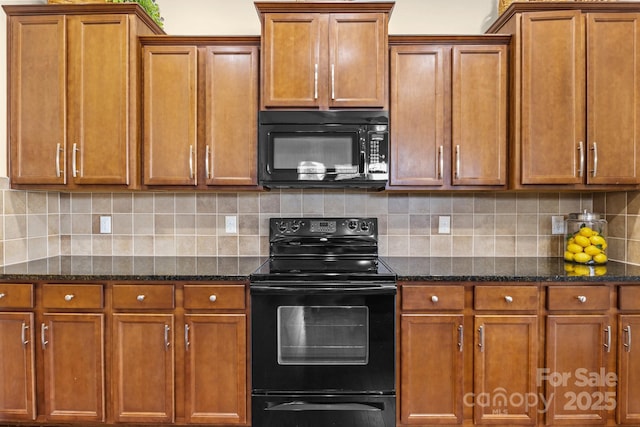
[268,168]
[362,160]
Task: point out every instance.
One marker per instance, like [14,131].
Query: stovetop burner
[315,249]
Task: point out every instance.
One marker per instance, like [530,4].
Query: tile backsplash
[41,224]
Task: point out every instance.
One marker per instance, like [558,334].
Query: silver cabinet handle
[141,297]
[58,150]
[166,336]
[582,299]
[186,337]
[2,295]
[460,337]
[191,161]
[23,334]
[581,159]
[74,163]
[607,343]
[69,297]
[333,81]
[434,299]
[481,338]
[594,148]
[508,299]
[207,163]
[213,298]
[440,161]
[315,82]
[43,337]
[457,161]
[627,343]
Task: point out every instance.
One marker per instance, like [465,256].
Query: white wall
[239,17]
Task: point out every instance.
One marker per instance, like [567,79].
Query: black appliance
[323,149]
[323,327]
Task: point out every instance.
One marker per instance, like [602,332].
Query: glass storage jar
[586,238]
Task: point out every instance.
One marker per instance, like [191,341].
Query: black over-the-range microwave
[323,149]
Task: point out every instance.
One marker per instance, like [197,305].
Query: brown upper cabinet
[191,81]
[73,94]
[575,116]
[324,55]
[448,112]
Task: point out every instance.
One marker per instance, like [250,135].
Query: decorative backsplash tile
[41,224]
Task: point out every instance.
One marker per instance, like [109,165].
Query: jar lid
[586,216]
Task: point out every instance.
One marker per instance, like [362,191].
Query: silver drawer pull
[141,297]
[2,295]
[508,299]
[213,298]
[69,297]
[434,299]
[43,336]
[582,299]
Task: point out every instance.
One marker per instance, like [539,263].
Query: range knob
[352,225]
[283,227]
[364,226]
[295,226]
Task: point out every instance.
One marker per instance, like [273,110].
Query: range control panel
[329,227]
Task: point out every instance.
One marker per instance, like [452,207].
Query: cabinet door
[37,99]
[293,75]
[505,367]
[170,115]
[98,109]
[17,391]
[216,368]
[577,349]
[357,60]
[143,372]
[629,370]
[420,79]
[232,109]
[553,98]
[431,369]
[613,103]
[73,350]
[479,115]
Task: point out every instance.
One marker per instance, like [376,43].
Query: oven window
[289,150]
[323,335]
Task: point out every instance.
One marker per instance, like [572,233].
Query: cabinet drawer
[629,298]
[417,297]
[581,298]
[16,295]
[72,296]
[518,298]
[143,297]
[214,297]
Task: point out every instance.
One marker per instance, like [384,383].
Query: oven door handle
[309,406]
[324,289]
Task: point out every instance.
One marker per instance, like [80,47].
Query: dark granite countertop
[136,268]
[509,270]
[92,268]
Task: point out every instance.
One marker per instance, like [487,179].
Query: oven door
[323,337]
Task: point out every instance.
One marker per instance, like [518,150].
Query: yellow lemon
[575,248]
[586,232]
[583,241]
[582,258]
[597,240]
[592,250]
[568,256]
[600,258]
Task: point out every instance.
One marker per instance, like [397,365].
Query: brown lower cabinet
[512,354]
[144,353]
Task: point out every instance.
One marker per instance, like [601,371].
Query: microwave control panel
[378,149]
